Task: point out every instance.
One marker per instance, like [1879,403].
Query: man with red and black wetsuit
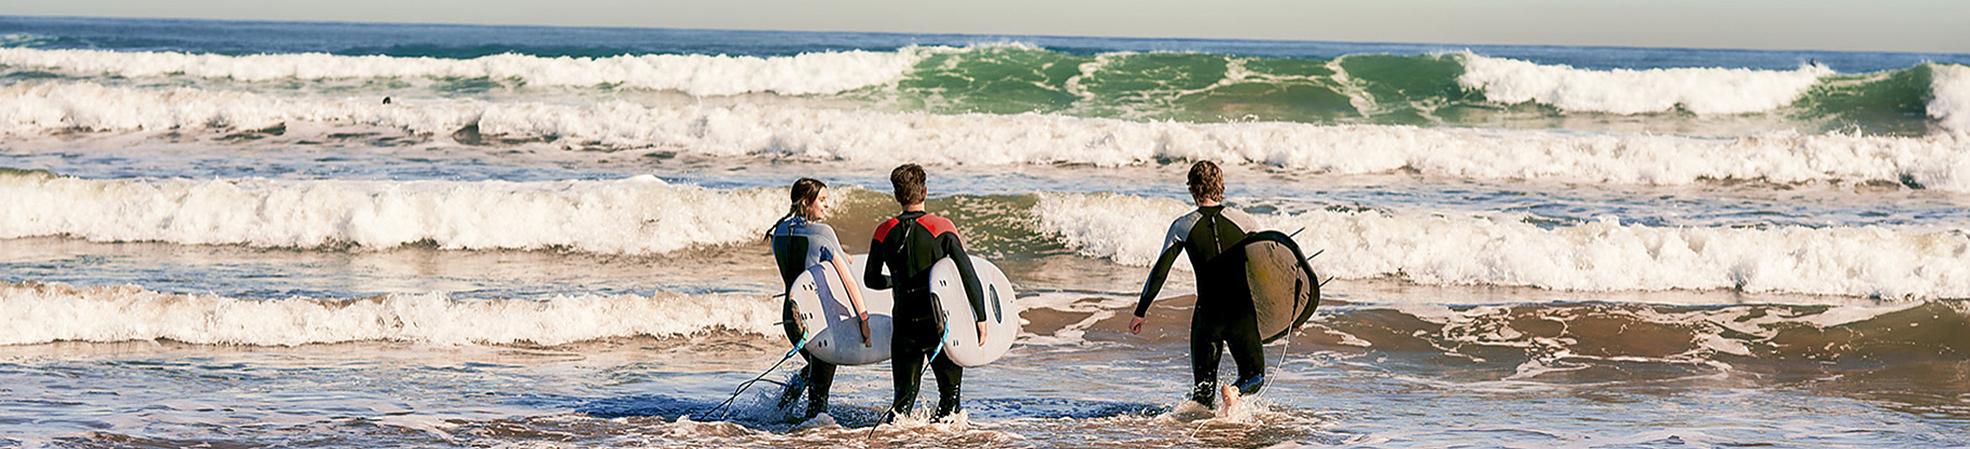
[909,245]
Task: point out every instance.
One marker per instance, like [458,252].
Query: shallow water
[1113,391]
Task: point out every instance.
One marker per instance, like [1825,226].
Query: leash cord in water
[802,344]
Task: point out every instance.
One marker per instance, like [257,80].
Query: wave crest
[1436,249]
[701,75]
[43,313]
[770,129]
[1701,91]
[632,216]
[1951,87]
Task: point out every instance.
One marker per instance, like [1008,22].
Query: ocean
[274,234]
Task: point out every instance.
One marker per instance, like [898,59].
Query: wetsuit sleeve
[1157,276]
[872,268]
[973,290]
[1172,247]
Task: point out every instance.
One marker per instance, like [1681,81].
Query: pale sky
[1934,26]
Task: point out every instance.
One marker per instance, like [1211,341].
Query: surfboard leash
[941,335]
[891,413]
[1285,349]
[885,417]
[802,344]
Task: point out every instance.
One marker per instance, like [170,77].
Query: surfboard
[1284,288]
[822,305]
[1001,312]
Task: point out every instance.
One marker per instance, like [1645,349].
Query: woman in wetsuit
[1221,320]
[799,242]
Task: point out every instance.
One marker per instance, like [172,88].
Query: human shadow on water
[648,405]
[754,411]
[763,416]
[1056,408]
[642,405]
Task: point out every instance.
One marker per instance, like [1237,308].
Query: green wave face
[1137,86]
[1354,89]
[1887,103]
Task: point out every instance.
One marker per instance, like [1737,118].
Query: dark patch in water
[469,135]
[36,173]
[1908,180]
[1058,408]
[256,134]
[672,408]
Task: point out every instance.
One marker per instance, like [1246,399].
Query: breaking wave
[631,216]
[1505,250]
[704,75]
[1697,90]
[1951,105]
[785,131]
[43,313]
[646,216]
[1008,78]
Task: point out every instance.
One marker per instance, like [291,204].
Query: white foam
[1625,91]
[1854,313]
[42,313]
[1132,238]
[1438,249]
[810,73]
[631,216]
[1950,84]
[1098,308]
[778,130]
[1705,332]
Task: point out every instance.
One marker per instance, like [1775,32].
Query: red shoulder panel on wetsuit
[883,230]
[937,225]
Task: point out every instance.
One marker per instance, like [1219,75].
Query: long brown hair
[804,193]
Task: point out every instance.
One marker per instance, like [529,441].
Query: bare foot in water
[1230,401]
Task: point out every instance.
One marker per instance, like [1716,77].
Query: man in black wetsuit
[1220,321]
[909,245]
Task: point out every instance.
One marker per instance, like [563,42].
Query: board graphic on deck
[822,305]
[1001,312]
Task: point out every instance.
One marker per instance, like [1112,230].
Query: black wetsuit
[909,245]
[1222,319]
[798,244]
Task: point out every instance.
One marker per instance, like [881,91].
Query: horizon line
[986,35]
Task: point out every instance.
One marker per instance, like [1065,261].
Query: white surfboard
[1001,312]
[822,305]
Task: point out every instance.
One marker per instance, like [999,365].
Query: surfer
[1217,323]
[799,242]
[909,245]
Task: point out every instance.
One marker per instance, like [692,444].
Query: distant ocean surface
[257,234]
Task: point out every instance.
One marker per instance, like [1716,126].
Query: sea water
[221,233]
